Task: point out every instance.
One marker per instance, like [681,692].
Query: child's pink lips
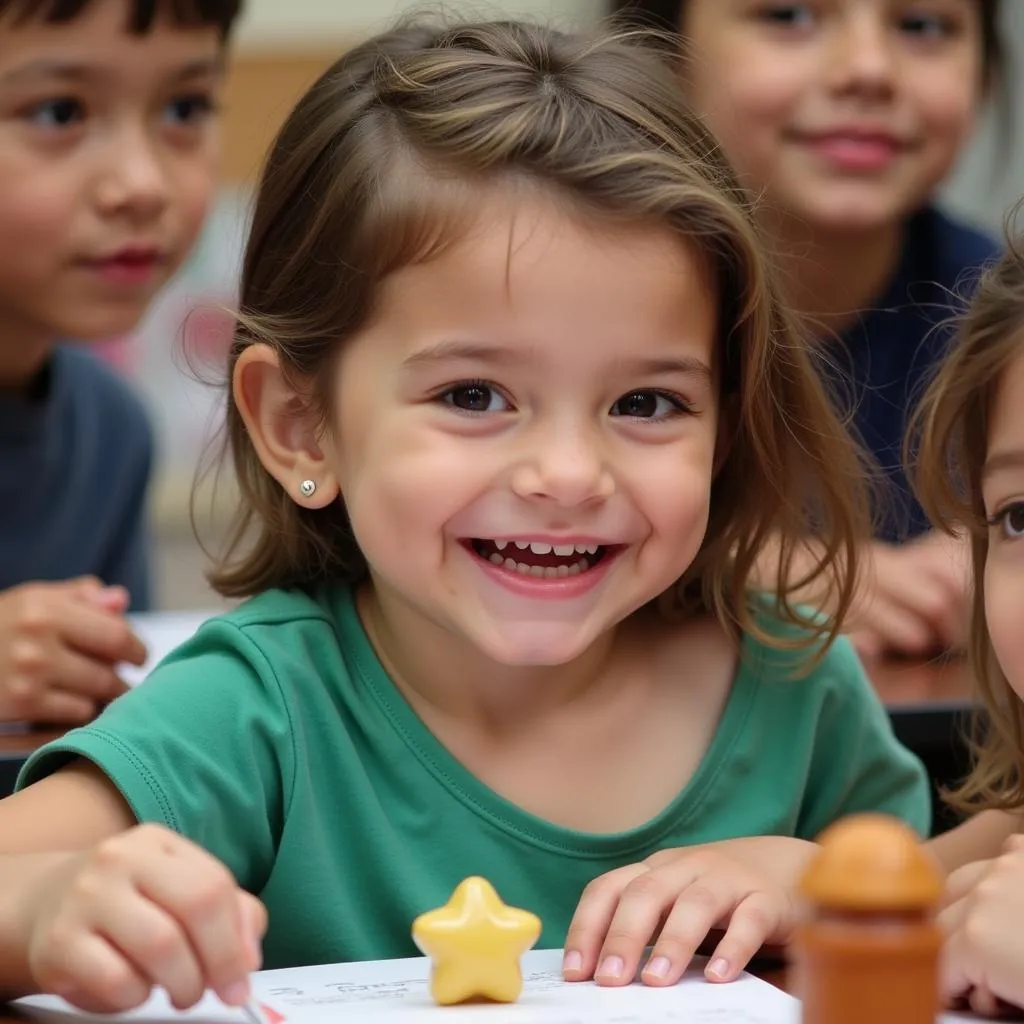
[130,254]
[129,267]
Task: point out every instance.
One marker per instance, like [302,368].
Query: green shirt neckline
[503,813]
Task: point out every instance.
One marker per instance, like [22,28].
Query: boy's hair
[668,16]
[376,168]
[951,425]
[142,14]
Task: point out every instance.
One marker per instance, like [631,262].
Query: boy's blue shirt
[894,348]
[75,464]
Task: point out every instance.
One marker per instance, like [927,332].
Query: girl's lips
[559,588]
[854,151]
[130,268]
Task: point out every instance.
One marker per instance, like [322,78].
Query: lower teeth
[545,572]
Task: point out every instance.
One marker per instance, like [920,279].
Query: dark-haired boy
[108,158]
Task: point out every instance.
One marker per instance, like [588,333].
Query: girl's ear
[283,431]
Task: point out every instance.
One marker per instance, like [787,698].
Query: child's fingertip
[237,994]
[572,962]
[718,970]
[657,968]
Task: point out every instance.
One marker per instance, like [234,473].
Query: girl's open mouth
[540,559]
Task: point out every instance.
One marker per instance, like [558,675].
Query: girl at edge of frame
[970,476]
[514,408]
[847,116]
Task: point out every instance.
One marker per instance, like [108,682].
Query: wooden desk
[943,684]
[15,748]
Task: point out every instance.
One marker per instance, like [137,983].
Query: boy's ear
[283,431]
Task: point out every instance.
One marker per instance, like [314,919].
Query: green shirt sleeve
[857,764]
[204,746]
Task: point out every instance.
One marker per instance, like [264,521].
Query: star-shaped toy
[474,942]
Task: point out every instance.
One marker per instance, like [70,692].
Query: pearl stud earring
[307,488]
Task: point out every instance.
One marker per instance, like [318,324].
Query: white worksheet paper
[161,632]
[396,992]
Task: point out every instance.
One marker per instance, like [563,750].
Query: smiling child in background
[846,116]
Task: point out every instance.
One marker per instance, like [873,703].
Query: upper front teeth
[540,548]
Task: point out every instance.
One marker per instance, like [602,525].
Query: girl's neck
[443,676]
[829,277]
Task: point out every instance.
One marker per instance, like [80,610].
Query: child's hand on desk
[59,646]
[983,958]
[141,909]
[913,598]
[673,900]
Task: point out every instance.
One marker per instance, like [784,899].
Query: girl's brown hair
[142,14]
[370,173]
[952,425]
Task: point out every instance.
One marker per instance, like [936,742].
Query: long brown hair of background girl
[376,168]
[951,433]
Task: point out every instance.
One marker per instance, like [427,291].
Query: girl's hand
[141,909]
[983,958]
[673,899]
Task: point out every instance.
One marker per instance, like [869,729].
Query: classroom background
[281,47]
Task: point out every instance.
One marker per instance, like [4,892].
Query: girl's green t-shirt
[276,740]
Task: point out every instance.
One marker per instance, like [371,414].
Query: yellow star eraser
[474,943]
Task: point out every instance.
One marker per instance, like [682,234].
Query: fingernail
[572,961]
[611,967]
[237,994]
[657,967]
[719,968]
[70,995]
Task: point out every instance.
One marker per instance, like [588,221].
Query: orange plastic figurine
[868,950]
[474,942]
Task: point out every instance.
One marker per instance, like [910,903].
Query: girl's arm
[69,811]
[100,910]
[979,838]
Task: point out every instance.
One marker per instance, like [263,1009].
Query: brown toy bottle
[868,949]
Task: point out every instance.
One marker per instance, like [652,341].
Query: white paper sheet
[161,632]
[395,992]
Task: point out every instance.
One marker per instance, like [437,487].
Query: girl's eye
[190,109]
[649,405]
[927,26]
[56,113]
[787,15]
[1011,521]
[475,397]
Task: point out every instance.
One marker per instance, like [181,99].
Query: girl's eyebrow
[464,351]
[1009,458]
[467,351]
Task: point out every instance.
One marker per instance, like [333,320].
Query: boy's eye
[188,109]
[787,15]
[56,113]
[475,398]
[649,405]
